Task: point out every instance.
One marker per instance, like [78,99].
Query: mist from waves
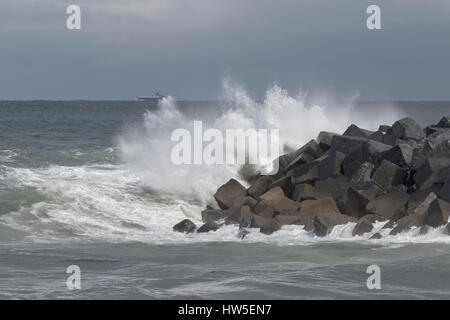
[147,149]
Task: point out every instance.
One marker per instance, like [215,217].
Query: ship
[154,98]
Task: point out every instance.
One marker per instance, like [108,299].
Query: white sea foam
[107,203]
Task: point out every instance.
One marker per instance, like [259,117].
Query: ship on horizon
[154,98]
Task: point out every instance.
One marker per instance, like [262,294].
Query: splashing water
[143,197]
[147,149]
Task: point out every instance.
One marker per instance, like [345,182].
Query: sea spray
[147,149]
[143,197]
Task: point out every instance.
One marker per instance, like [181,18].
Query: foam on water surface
[109,203]
[141,197]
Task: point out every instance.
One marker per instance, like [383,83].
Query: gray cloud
[185,47]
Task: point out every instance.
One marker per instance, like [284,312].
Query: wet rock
[401,155]
[390,139]
[444,123]
[326,209]
[302,192]
[376,236]
[409,182]
[405,224]
[280,204]
[320,227]
[245,201]
[442,177]
[407,128]
[355,131]
[213,215]
[418,158]
[285,184]
[323,224]
[335,188]
[377,136]
[228,192]
[444,193]
[246,218]
[373,150]
[437,214]
[428,172]
[207,227]
[390,224]
[421,207]
[286,206]
[324,139]
[259,221]
[388,176]
[424,229]
[350,166]
[416,218]
[369,152]
[387,205]
[442,150]
[260,186]
[365,224]
[330,166]
[436,141]
[284,160]
[346,145]
[433,129]
[307,173]
[363,173]
[264,210]
[270,227]
[185,226]
[416,199]
[358,196]
[287,219]
[306,154]
[236,215]
[273,195]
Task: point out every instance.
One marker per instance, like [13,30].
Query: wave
[8,156]
[108,203]
[146,149]
[141,198]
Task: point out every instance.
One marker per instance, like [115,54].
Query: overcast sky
[186,47]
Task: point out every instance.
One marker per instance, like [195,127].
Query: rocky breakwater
[399,175]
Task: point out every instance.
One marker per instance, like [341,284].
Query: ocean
[90,183]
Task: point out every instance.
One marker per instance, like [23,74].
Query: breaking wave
[147,149]
[144,195]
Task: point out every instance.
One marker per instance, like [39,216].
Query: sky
[185,48]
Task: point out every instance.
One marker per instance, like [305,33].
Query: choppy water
[89,184]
